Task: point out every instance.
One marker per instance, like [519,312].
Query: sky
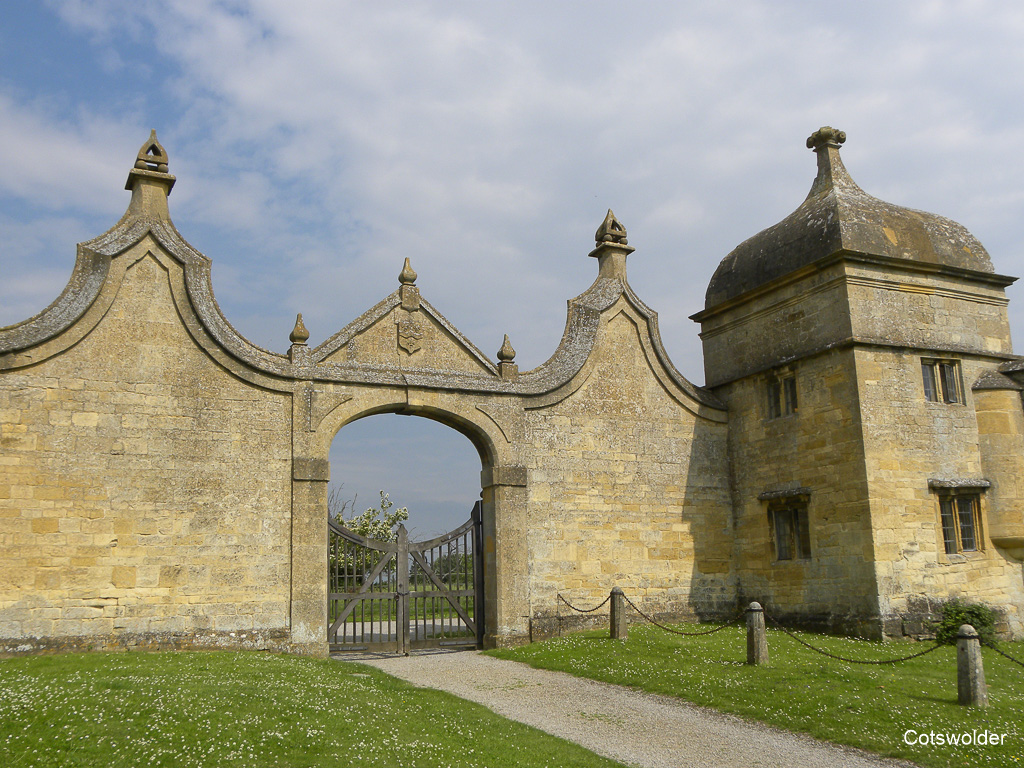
[318,144]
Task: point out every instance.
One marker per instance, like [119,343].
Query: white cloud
[319,143]
[61,161]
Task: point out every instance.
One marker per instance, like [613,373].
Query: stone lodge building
[855,458]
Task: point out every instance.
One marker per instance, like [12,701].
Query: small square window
[960,519]
[781,397]
[942,381]
[791,532]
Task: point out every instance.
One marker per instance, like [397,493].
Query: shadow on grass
[933,699]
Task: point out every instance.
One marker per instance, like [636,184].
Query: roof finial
[826,136]
[611,230]
[506,368]
[506,354]
[408,275]
[612,248]
[149,181]
[152,156]
[299,334]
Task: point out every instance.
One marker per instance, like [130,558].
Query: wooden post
[619,628]
[402,592]
[757,638]
[970,674]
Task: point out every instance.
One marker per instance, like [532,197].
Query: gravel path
[632,727]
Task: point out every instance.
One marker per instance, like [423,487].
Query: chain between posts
[679,631]
[852,661]
[991,645]
[585,610]
[634,606]
[778,626]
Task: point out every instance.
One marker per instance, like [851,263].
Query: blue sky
[318,144]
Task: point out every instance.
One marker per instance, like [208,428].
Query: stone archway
[502,508]
[422,586]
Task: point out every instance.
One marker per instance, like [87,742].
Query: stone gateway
[855,458]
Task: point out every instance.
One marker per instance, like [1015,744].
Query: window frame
[943,381]
[781,394]
[789,530]
[960,521]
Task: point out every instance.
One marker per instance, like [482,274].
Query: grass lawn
[867,706]
[248,709]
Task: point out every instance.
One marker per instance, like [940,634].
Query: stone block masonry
[853,462]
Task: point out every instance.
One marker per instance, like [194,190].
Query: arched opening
[421,464]
[397,582]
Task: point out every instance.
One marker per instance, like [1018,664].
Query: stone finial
[149,181]
[612,248]
[506,354]
[506,368]
[408,275]
[409,292]
[299,334]
[611,230]
[826,136]
[152,156]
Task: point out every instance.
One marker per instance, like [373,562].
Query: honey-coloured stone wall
[163,481]
[815,454]
[145,494]
[627,489]
[909,442]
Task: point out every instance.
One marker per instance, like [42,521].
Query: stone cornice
[895,264]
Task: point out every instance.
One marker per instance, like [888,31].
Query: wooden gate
[402,595]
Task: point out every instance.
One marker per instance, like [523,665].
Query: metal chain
[852,661]
[679,631]
[987,644]
[585,610]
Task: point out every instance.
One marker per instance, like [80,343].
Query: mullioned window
[942,381]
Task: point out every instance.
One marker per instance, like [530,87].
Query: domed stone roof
[839,216]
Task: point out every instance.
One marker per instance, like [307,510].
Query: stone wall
[815,453]
[627,488]
[894,305]
[908,442]
[803,314]
[164,481]
[864,442]
[145,492]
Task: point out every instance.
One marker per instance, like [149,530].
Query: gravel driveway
[635,728]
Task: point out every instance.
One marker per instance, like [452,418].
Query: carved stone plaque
[409,332]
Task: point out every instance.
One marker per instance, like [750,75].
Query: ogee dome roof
[839,216]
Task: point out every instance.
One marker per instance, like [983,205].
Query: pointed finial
[149,181]
[506,354]
[299,334]
[612,248]
[152,156]
[408,275]
[826,136]
[611,230]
